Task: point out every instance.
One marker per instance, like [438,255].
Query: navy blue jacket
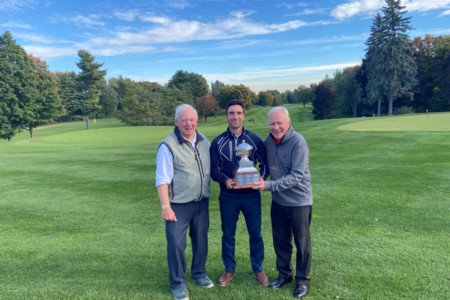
[224,160]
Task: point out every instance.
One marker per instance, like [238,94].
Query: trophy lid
[244,146]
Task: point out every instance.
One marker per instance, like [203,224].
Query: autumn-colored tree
[207,106]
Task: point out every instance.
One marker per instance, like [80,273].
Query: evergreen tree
[215,88]
[89,78]
[390,62]
[401,68]
[373,64]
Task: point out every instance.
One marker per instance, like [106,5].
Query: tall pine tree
[373,64]
[391,68]
[401,66]
[89,78]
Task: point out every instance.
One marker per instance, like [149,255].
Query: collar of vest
[181,138]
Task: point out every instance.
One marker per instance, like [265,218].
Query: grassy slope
[80,219]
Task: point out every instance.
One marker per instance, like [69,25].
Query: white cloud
[309,11]
[90,21]
[290,5]
[349,9]
[19,24]
[178,4]
[422,6]
[48,53]
[287,26]
[7,5]
[122,50]
[445,13]
[332,40]
[129,15]
[155,19]
[164,30]
[35,38]
[352,8]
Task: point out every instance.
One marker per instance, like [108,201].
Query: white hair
[181,108]
[282,108]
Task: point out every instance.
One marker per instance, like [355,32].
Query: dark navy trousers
[192,217]
[250,206]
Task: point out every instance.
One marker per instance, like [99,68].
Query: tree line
[31,95]
[397,75]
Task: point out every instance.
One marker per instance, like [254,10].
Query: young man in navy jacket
[224,163]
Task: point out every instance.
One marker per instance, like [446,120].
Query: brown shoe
[261,277]
[225,279]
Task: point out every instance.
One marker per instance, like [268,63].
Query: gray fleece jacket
[288,163]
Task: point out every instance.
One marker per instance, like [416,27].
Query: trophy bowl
[246,176]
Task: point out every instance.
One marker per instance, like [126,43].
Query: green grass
[80,217]
[417,122]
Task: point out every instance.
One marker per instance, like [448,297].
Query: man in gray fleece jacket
[288,162]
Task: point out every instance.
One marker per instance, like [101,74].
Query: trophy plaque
[246,175]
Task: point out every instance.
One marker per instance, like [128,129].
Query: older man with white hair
[288,162]
[183,182]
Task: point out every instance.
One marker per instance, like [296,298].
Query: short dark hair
[235,102]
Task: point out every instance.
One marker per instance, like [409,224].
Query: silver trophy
[246,175]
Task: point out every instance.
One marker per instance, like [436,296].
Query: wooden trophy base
[244,186]
[246,177]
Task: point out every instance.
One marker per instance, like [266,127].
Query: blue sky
[262,44]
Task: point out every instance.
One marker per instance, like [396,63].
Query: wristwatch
[163,207]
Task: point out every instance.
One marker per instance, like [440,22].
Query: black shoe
[300,290]
[279,283]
